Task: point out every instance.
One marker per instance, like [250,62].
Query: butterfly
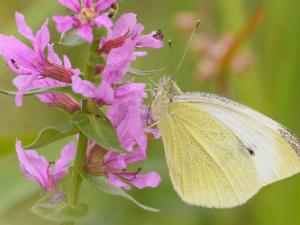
[220,153]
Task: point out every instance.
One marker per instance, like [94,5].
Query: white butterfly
[219,152]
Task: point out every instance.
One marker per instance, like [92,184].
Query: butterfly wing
[208,164]
[275,149]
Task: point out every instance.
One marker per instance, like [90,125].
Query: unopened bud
[65,102]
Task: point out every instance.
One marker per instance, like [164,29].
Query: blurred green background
[271,86]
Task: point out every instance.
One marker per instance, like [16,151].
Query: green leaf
[102,184]
[101,131]
[71,39]
[53,209]
[66,90]
[52,134]
[144,73]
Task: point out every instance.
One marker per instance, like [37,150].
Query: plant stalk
[74,189]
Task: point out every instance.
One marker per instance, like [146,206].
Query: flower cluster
[39,67]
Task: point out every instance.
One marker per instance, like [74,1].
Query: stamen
[87,15]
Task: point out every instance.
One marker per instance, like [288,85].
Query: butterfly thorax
[164,97]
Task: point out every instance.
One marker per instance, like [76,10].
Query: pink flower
[38,169]
[126,109]
[126,114]
[114,166]
[62,101]
[87,16]
[127,28]
[117,65]
[31,64]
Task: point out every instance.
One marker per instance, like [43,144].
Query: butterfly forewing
[208,164]
[275,150]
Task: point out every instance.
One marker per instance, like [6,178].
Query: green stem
[77,169]
[89,70]
[74,189]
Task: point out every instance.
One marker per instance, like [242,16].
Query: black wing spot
[251,151]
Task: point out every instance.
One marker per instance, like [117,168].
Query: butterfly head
[167,89]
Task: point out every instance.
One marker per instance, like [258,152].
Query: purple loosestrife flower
[63,101]
[38,169]
[117,65]
[127,28]
[31,64]
[114,165]
[126,102]
[88,15]
[126,114]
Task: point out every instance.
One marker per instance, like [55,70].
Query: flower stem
[74,189]
[73,194]
[78,167]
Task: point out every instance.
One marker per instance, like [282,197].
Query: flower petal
[61,166]
[118,62]
[126,114]
[87,3]
[125,24]
[151,179]
[42,39]
[22,88]
[86,32]
[115,160]
[83,87]
[18,56]
[23,28]
[103,5]
[149,41]
[115,181]
[67,62]
[136,156]
[52,56]
[33,166]
[103,21]
[64,23]
[74,5]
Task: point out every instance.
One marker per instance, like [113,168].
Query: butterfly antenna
[188,45]
[153,83]
[172,57]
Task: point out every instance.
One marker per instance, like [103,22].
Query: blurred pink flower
[31,65]
[38,169]
[126,28]
[213,54]
[87,16]
[185,21]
